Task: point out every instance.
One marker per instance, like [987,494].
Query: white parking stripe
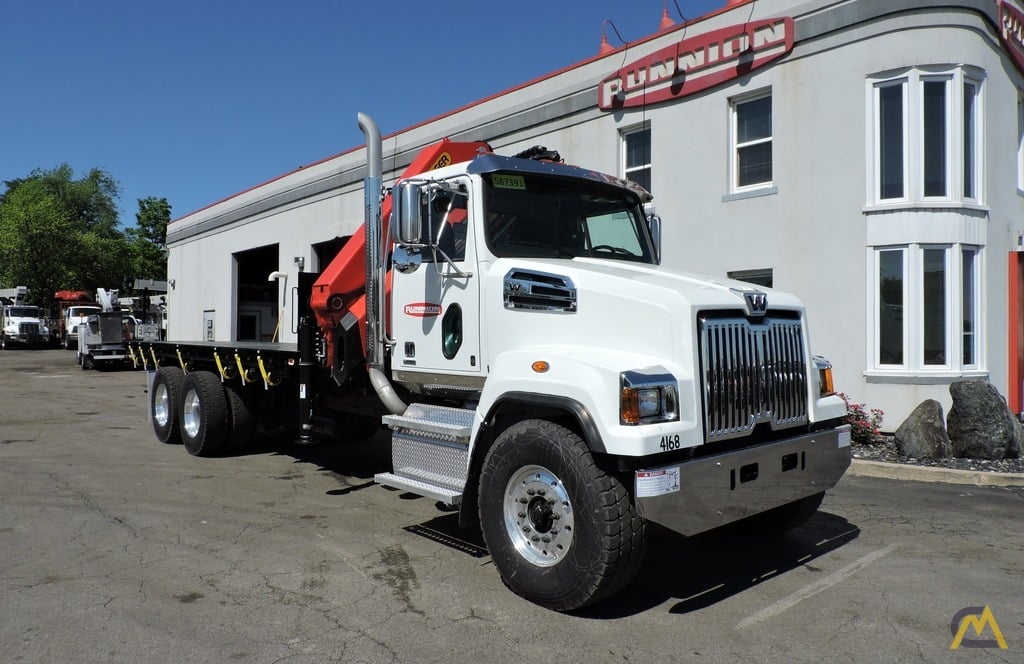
[813,589]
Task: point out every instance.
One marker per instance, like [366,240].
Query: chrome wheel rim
[538,516]
[162,405]
[190,413]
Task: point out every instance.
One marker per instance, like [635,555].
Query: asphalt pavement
[116,548]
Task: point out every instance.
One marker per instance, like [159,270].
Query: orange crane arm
[341,287]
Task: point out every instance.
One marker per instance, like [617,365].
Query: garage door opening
[256,298]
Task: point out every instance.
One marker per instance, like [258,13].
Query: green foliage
[148,238]
[58,232]
[865,424]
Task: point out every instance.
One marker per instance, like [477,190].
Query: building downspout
[372,188]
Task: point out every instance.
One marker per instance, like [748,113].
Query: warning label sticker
[657,482]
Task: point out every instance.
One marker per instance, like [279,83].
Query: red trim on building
[1015,333]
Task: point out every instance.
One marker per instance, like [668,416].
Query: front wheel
[562,532]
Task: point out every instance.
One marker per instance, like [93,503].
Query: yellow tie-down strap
[226,371]
[247,376]
[269,380]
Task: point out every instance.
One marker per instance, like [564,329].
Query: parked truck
[22,325]
[508,319]
[74,307]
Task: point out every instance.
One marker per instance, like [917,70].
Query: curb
[898,471]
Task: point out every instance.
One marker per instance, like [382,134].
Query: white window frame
[912,82]
[913,364]
[1020,145]
[625,169]
[735,145]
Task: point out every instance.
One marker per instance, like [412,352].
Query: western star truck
[508,319]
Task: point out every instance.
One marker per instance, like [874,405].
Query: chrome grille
[751,373]
[28,328]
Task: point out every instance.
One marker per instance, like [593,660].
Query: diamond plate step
[454,424]
[439,493]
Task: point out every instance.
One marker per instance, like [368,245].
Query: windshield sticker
[503,181]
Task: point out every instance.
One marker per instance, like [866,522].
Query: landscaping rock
[923,434]
[980,425]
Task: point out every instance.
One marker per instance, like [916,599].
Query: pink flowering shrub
[866,424]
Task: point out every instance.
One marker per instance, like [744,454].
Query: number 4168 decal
[670,442]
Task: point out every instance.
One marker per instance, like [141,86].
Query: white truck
[22,325]
[75,317]
[538,368]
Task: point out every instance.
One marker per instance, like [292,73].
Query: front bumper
[705,493]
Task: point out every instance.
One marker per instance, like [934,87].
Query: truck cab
[22,325]
[74,317]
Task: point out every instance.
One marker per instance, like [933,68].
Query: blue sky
[196,100]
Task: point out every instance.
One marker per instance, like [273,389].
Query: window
[636,152]
[752,141]
[926,308]
[1020,145]
[926,137]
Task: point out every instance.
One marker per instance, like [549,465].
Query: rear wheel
[562,532]
[242,424]
[163,403]
[358,427]
[204,414]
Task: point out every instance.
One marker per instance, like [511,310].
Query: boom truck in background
[73,307]
[507,318]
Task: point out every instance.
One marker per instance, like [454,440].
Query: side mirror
[654,226]
[405,207]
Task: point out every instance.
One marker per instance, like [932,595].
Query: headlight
[648,395]
[824,367]
[11,329]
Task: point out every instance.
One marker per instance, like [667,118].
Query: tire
[203,414]
[164,404]
[241,424]
[88,362]
[539,482]
[358,427]
[785,517]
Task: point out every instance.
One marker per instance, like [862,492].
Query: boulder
[923,434]
[980,424]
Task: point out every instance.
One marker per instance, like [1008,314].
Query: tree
[60,233]
[149,238]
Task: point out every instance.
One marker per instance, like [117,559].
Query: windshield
[540,216]
[82,311]
[23,312]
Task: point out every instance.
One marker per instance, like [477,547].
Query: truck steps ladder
[429,451]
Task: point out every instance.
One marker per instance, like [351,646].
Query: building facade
[863,154]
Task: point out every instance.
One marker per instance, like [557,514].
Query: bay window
[925,143]
[926,300]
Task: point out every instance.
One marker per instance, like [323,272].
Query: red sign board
[696,64]
[1011,32]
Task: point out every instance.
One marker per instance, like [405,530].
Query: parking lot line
[814,588]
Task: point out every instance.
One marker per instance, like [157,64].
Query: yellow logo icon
[978,617]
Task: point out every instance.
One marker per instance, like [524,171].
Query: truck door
[435,320]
